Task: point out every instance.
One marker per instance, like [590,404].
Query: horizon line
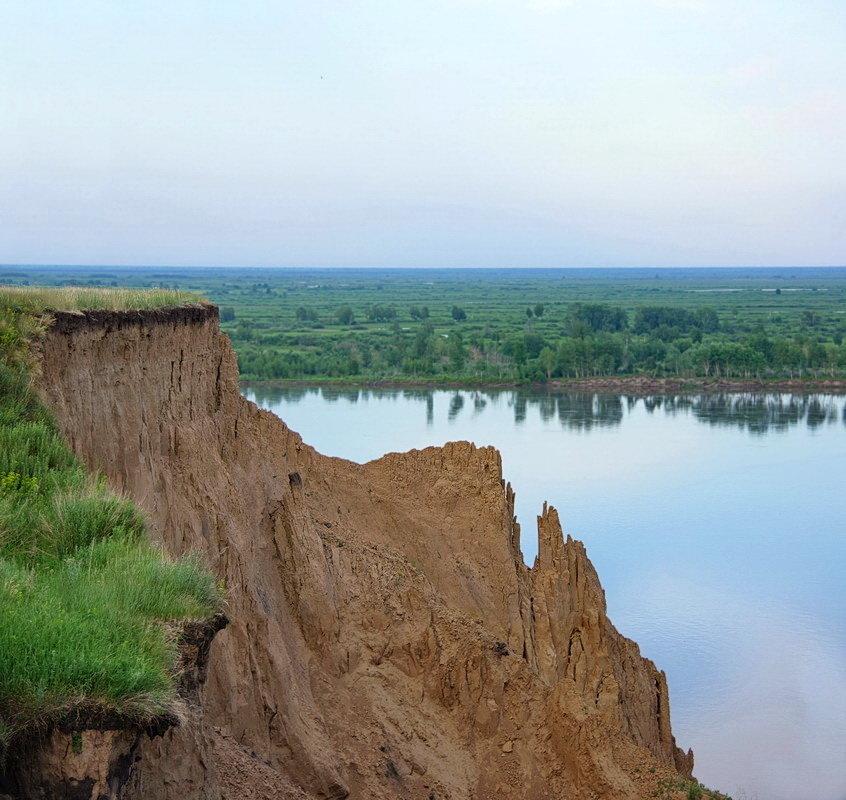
[430,267]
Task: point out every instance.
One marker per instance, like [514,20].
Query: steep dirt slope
[386,639]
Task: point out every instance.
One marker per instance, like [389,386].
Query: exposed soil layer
[89,751]
[386,638]
[68,322]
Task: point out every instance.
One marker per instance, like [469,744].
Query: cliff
[386,638]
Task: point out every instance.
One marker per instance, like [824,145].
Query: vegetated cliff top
[38,299]
[86,599]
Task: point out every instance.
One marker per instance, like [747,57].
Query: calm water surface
[716,524]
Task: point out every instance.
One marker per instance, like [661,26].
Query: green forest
[511,326]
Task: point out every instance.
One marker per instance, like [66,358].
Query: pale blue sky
[424,133]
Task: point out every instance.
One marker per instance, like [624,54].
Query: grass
[36,300]
[90,610]
[681,789]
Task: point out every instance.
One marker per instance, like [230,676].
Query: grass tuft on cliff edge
[90,610]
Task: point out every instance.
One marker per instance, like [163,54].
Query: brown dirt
[386,639]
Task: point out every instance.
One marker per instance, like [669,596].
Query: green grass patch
[36,300]
[681,789]
[90,610]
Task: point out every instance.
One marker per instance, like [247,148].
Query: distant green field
[514,325]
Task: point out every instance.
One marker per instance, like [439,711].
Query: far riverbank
[629,385]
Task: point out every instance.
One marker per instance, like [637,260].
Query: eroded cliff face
[386,638]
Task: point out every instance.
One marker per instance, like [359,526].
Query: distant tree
[458,314]
[515,349]
[648,318]
[707,320]
[419,312]
[549,361]
[539,309]
[457,352]
[227,314]
[666,333]
[529,313]
[244,330]
[423,340]
[380,313]
[534,343]
[578,328]
[584,318]
[345,315]
[306,314]
[760,342]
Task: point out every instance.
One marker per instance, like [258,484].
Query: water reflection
[757,413]
[456,403]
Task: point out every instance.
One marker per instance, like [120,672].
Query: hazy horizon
[389,267]
[456,133]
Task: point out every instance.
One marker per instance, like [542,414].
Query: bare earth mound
[386,639]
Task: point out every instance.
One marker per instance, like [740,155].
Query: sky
[449,133]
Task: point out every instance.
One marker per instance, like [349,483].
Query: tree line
[592,339]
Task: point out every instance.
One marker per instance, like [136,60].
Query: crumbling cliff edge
[386,638]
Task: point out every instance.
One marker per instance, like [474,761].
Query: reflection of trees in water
[760,413]
[607,410]
[266,396]
[521,403]
[574,410]
[410,394]
[456,403]
[757,413]
[332,394]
